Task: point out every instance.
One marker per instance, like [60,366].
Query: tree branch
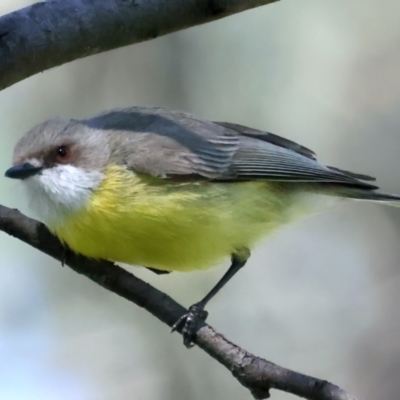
[52,33]
[256,374]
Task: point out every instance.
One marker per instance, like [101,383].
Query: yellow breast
[151,222]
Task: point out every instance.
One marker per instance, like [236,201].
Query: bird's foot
[189,322]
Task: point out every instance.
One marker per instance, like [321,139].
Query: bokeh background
[320,296]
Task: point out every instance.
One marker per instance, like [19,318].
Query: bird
[169,191]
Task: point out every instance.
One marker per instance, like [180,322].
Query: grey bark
[52,33]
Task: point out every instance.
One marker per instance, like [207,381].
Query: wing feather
[177,145]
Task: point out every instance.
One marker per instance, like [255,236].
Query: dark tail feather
[388,199]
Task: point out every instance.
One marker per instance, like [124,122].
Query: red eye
[63,153]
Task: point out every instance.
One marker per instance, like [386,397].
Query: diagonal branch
[51,33]
[256,374]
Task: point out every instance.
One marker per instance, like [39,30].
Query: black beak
[22,171]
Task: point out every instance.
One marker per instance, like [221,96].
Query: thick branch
[52,33]
[255,373]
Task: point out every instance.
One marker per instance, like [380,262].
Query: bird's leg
[190,321]
[67,252]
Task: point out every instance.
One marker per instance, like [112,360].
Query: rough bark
[52,33]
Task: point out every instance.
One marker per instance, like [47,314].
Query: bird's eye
[63,153]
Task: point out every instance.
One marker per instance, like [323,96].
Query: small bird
[172,192]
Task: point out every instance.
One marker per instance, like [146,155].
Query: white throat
[60,190]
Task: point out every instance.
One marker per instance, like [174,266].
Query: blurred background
[320,296]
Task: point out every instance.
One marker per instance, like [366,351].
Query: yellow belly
[150,222]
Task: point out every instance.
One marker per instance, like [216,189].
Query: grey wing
[267,161]
[278,158]
[272,157]
[167,144]
[270,138]
[179,146]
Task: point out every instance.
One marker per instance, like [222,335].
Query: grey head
[57,142]
[60,161]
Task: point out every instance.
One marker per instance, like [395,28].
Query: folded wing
[176,145]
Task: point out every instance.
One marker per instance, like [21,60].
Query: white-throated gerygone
[169,191]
